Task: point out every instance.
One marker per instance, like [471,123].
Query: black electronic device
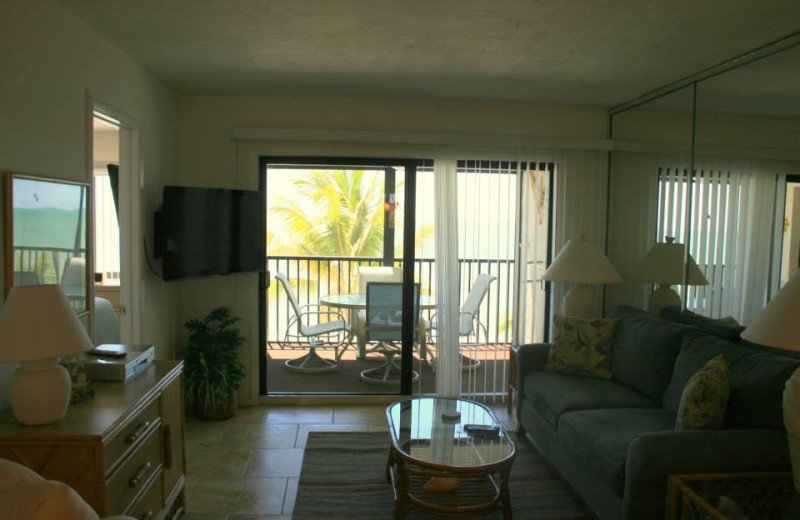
[209,231]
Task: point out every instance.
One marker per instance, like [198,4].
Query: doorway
[115,216]
[336,230]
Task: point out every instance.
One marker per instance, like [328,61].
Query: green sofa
[615,440]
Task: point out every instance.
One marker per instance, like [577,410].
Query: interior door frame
[410,166]
[130,187]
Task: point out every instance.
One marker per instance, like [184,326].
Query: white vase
[791,419]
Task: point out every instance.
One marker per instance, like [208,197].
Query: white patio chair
[469,325]
[384,320]
[307,323]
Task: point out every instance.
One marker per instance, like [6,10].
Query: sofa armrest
[654,456]
[531,358]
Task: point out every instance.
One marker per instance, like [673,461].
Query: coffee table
[435,464]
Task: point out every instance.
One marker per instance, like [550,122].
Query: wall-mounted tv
[209,232]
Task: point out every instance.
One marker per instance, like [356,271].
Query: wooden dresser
[123,450]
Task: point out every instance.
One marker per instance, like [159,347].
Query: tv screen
[209,232]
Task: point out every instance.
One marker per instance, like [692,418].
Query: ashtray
[451,417]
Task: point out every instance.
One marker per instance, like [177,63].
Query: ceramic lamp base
[39,392]
[664,296]
[791,419]
[582,302]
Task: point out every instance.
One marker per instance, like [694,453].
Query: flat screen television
[209,232]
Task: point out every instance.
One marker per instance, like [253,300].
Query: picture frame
[47,235]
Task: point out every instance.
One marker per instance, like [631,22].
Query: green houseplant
[212,367]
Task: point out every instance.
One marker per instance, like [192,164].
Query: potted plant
[212,367]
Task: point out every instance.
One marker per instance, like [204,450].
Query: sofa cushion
[757,379]
[725,328]
[599,439]
[553,394]
[645,349]
[582,347]
[705,397]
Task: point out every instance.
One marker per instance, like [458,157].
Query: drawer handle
[150,515]
[138,433]
[168,446]
[139,475]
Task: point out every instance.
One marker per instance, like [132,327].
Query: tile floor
[247,468]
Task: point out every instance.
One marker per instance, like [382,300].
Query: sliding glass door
[340,313]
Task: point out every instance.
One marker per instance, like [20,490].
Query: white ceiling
[577,52]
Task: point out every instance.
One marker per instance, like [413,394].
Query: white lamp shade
[37,322]
[581,262]
[663,264]
[778,324]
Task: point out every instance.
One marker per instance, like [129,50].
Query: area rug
[343,478]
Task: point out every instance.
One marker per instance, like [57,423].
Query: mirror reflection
[48,235]
[719,173]
[748,121]
[647,201]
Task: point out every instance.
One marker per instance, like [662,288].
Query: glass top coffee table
[448,456]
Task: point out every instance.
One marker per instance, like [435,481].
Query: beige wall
[209,156]
[50,62]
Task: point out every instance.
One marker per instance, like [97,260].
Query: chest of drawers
[123,451]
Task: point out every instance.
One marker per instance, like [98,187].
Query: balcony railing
[47,263]
[313,277]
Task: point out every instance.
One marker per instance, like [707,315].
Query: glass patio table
[448,456]
[354,302]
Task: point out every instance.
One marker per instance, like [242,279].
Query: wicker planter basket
[218,412]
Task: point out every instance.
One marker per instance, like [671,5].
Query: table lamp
[38,325]
[582,263]
[663,265]
[778,326]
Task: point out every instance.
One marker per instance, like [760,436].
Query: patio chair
[367,274]
[307,323]
[469,324]
[384,320]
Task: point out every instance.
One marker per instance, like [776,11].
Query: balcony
[314,277]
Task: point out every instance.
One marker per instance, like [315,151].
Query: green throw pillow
[582,347]
[705,397]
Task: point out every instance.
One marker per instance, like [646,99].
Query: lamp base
[582,302]
[664,296]
[39,392]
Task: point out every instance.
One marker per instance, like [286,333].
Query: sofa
[614,440]
[25,495]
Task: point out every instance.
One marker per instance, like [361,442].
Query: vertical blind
[729,212]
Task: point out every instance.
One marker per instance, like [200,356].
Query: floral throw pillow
[705,397]
[582,347]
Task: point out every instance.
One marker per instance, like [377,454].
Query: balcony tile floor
[247,468]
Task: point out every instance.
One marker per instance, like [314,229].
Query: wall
[209,156]
[51,63]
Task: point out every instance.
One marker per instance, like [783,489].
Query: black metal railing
[314,276]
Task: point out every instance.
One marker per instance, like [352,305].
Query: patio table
[354,302]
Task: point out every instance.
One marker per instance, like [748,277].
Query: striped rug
[343,478]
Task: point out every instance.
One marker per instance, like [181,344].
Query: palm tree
[331,213]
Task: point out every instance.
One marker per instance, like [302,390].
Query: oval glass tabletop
[423,430]
[359,301]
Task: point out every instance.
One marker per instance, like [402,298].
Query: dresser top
[102,415]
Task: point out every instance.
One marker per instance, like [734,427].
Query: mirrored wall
[702,188]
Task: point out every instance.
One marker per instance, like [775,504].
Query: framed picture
[47,233]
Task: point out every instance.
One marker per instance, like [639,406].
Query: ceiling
[576,52]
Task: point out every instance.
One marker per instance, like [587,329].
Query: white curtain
[448,366]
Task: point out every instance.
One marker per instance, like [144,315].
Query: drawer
[149,505]
[129,436]
[130,478]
